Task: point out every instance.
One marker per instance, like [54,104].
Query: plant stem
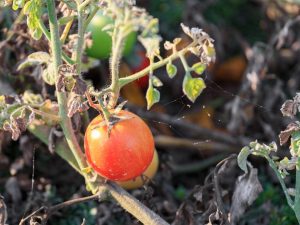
[66,122]
[104,110]
[184,62]
[84,4]
[47,34]
[90,17]
[80,40]
[135,207]
[297,196]
[54,35]
[126,80]
[117,48]
[281,181]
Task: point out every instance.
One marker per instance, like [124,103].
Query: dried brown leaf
[15,126]
[289,108]
[285,135]
[60,85]
[80,86]
[75,105]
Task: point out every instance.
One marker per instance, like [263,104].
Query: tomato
[102,43]
[123,154]
[148,174]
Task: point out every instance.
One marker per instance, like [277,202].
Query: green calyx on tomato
[101,40]
[125,153]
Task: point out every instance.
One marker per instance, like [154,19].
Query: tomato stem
[80,40]
[47,34]
[281,181]
[118,39]
[128,79]
[90,17]
[184,62]
[66,122]
[83,5]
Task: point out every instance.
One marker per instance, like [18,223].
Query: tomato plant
[123,154]
[140,180]
[102,43]
[118,146]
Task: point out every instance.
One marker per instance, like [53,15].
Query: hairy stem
[117,47]
[126,80]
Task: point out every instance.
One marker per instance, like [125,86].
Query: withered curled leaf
[285,135]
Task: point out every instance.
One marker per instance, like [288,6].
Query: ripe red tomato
[102,43]
[139,181]
[125,153]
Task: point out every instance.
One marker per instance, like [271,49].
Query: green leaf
[242,158]
[210,50]
[27,7]
[35,58]
[64,20]
[152,96]
[71,4]
[171,70]
[192,87]
[156,82]
[49,74]
[17,4]
[33,9]
[199,68]
[42,57]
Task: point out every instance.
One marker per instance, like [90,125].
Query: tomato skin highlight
[138,181]
[102,43]
[125,153]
